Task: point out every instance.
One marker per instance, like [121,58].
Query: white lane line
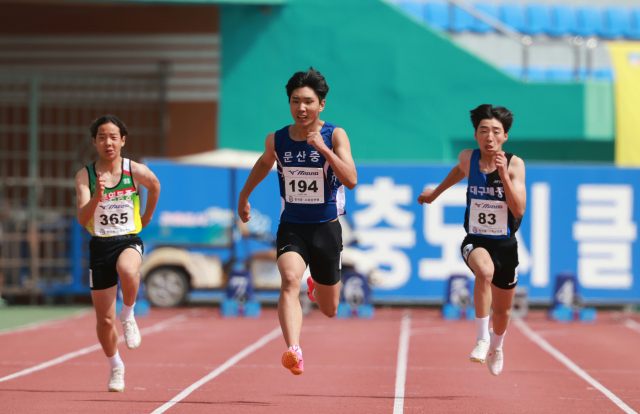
[401,368]
[222,368]
[36,325]
[145,331]
[534,337]
[631,324]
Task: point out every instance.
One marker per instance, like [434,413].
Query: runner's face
[305,106]
[490,136]
[108,141]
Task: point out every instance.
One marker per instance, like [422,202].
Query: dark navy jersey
[487,212]
[309,190]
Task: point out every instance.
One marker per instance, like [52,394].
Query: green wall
[401,90]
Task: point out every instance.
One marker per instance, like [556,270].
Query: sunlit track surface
[351,366]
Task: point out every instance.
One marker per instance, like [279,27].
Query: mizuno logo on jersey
[299,172]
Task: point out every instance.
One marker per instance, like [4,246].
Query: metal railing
[44,142]
[526,41]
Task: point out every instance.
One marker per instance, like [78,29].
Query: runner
[314,161]
[496,200]
[109,207]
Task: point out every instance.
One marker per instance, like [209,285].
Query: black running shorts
[103,256]
[319,244]
[504,254]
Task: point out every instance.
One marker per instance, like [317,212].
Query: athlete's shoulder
[516,161]
[465,155]
[82,176]
[137,167]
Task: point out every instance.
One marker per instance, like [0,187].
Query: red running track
[350,367]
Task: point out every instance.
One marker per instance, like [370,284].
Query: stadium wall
[393,80]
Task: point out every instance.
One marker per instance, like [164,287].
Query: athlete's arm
[258,173]
[515,191]
[143,175]
[340,158]
[86,204]
[456,175]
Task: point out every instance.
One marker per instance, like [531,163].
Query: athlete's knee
[484,275]
[503,313]
[105,322]
[290,281]
[128,274]
[330,310]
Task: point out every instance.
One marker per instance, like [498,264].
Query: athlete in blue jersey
[496,200]
[314,162]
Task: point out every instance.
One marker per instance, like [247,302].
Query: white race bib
[488,217]
[304,185]
[114,218]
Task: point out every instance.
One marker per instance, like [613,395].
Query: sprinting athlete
[496,200]
[109,207]
[314,162]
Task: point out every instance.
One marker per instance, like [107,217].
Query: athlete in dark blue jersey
[314,163]
[496,200]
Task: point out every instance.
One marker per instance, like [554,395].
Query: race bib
[304,185]
[113,218]
[488,217]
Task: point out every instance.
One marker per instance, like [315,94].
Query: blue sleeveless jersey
[309,190]
[487,213]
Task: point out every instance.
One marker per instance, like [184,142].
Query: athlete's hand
[244,211]
[101,184]
[145,220]
[428,196]
[502,165]
[315,139]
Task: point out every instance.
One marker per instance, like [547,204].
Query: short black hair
[106,119]
[487,111]
[311,78]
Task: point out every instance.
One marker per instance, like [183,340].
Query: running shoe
[311,292]
[116,381]
[131,333]
[495,359]
[479,353]
[292,360]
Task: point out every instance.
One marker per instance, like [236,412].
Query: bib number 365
[114,219]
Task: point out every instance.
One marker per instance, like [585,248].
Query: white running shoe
[131,333]
[495,361]
[479,353]
[116,381]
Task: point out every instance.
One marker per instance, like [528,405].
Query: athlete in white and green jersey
[109,207]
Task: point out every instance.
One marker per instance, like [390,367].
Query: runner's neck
[106,166]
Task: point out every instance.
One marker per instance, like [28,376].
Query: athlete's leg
[292,267]
[328,298]
[480,262]
[501,303]
[128,265]
[104,302]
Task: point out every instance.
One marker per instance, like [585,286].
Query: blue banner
[578,219]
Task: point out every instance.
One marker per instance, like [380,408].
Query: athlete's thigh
[501,299]
[326,293]
[480,262]
[104,301]
[129,262]
[325,259]
[291,264]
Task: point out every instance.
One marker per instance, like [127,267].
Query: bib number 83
[302,186]
[482,218]
[114,219]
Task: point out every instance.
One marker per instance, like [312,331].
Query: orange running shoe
[292,360]
[311,289]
